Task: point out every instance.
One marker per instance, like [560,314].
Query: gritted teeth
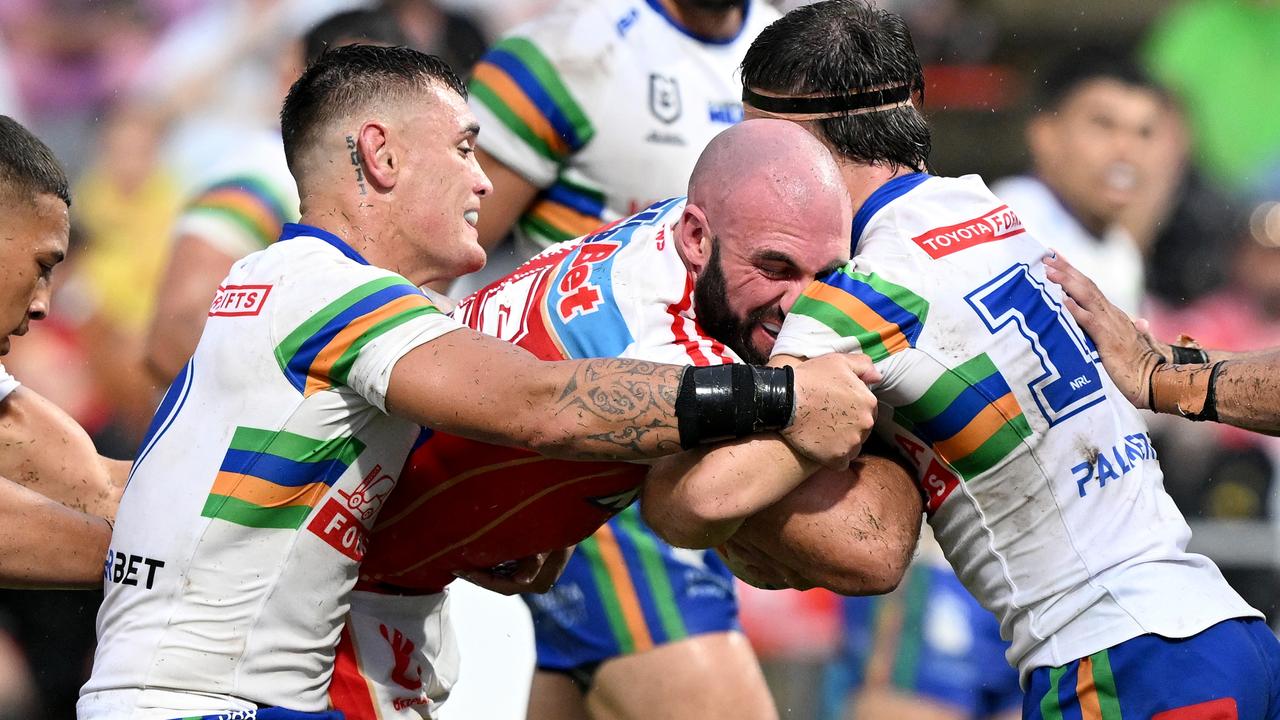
[472,217]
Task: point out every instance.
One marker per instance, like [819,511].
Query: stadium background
[102,83]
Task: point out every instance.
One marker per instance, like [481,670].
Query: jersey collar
[293,230]
[746,14]
[882,196]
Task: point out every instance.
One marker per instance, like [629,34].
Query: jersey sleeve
[850,311]
[239,214]
[531,119]
[354,338]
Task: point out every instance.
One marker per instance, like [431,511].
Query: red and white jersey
[1040,480]
[623,291]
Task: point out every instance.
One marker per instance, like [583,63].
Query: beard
[711,304]
[711,5]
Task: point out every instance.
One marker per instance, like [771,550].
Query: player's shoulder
[572,36]
[922,216]
[310,268]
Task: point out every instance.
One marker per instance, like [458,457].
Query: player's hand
[532,574]
[834,408]
[1128,351]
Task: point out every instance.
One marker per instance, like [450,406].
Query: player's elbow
[689,522]
[871,576]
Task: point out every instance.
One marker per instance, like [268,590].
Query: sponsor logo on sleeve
[998,224]
[239,300]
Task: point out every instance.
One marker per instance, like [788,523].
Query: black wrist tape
[730,401]
[1189,356]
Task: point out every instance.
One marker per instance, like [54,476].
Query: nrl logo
[664,98]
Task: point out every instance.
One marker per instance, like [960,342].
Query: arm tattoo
[355,161]
[637,399]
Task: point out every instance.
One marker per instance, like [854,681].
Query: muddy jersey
[604,106]
[244,520]
[1040,480]
[465,505]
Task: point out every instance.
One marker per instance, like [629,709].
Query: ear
[693,237]
[378,159]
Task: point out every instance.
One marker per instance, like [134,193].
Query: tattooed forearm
[632,401]
[355,162]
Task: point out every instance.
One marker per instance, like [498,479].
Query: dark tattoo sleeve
[632,402]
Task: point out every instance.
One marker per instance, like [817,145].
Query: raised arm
[1240,389]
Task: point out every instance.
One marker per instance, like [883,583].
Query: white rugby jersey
[605,106]
[245,516]
[1040,480]
[1113,260]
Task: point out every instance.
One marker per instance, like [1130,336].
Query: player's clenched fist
[834,408]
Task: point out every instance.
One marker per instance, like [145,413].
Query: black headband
[811,105]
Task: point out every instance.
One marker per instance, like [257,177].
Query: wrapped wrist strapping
[729,401]
[1186,390]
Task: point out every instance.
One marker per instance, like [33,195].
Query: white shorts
[396,658]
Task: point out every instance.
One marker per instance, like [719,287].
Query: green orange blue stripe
[273,478]
[1084,689]
[652,563]
[249,203]
[621,608]
[320,352]
[523,89]
[884,318]
[970,417]
[562,212]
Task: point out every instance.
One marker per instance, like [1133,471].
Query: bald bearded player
[701,281]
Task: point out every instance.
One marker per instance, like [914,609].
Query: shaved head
[767,211]
[767,166]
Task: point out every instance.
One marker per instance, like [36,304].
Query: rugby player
[662,285]
[241,204]
[1042,488]
[592,112]
[56,492]
[320,362]
[931,651]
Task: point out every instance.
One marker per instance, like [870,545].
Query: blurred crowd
[140,98]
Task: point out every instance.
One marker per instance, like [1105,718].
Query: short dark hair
[27,166]
[841,45]
[1067,73]
[375,27]
[350,77]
